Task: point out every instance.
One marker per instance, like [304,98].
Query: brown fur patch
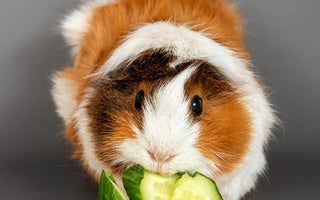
[225,131]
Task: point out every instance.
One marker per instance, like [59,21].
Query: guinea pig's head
[168,119]
[167,96]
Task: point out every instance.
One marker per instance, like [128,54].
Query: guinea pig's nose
[160,157]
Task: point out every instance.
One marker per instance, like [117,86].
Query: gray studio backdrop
[283,37]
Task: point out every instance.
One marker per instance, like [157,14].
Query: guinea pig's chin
[163,168]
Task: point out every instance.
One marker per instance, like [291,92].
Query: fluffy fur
[64,93]
[108,37]
[77,23]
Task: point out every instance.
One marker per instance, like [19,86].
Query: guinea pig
[165,84]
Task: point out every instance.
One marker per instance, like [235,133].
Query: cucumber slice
[198,187]
[143,185]
[108,189]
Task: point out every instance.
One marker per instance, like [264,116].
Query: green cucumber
[143,185]
[108,189]
[198,187]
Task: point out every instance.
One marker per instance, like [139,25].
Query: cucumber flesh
[198,187]
[143,185]
[157,187]
[108,189]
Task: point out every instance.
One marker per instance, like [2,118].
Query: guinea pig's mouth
[159,168]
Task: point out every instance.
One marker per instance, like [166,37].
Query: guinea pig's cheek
[225,135]
[122,129]
[109,134]
[131,152]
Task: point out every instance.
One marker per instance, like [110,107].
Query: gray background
[283,37]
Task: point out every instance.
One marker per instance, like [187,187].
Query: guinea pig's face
[168,119]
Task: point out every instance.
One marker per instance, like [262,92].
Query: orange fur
[225,133]
[71,135]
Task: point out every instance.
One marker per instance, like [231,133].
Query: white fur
[64,95]
[76,24]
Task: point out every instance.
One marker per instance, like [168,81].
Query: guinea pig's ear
[64,92]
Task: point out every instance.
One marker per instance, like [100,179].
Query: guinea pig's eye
[197,106]
[139,100]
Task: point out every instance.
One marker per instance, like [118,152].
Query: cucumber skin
[213,182]
[103,179]
[107,190]
[131,179]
